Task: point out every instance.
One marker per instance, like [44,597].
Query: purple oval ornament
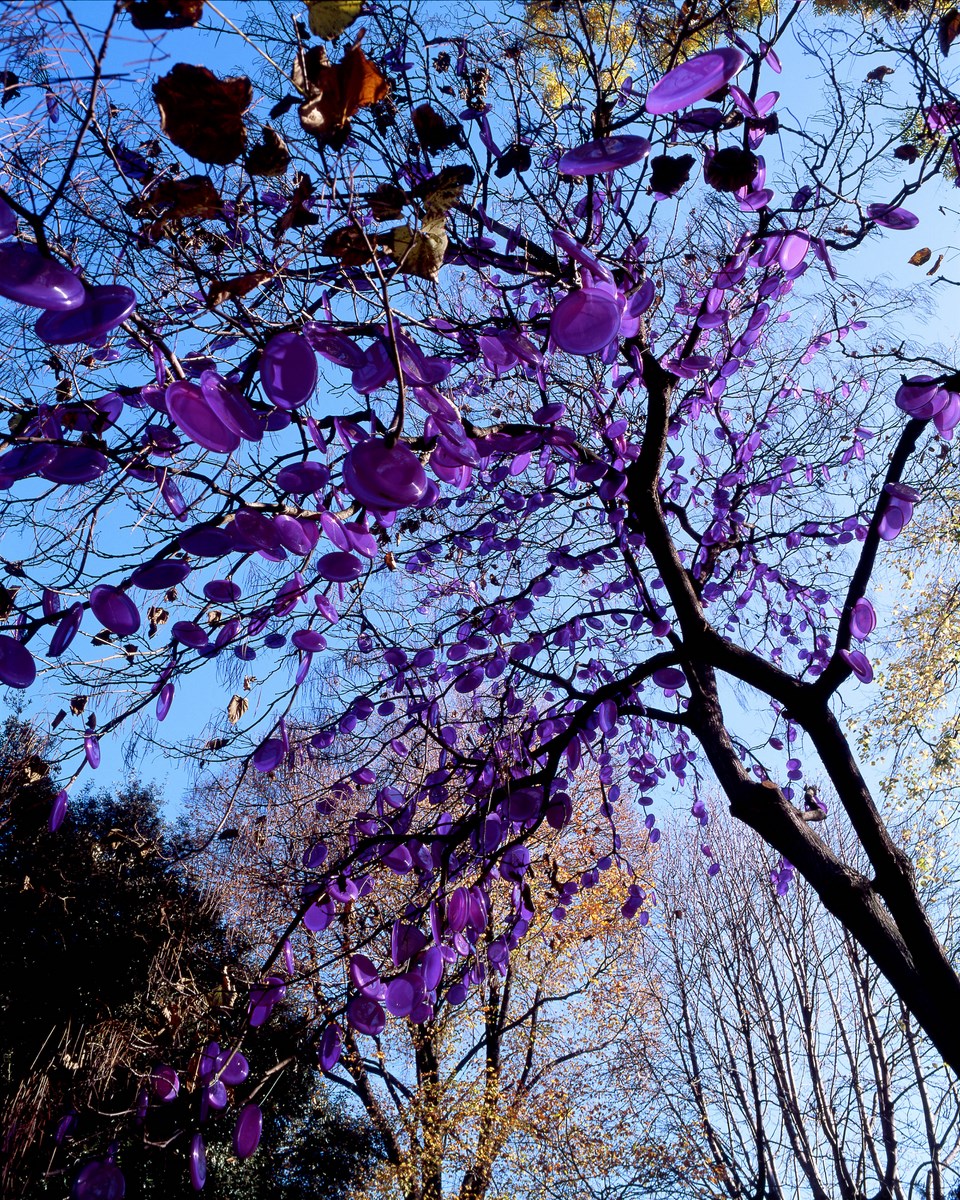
[187,405]
[330,1046]
[288,370]
[160,576]
[75,465]
[114,610]
[28,278]
[694,80]
[268,755]
[102,310]
[384,477]
[247,1131]
[66,630]
[891,217]
[863,619]
[99,1181]
[585,321]
[233,1068]
[339,567]
[603,155]
[58,811]
[366,1016]
[164,700]
[17,668]
[198,1162]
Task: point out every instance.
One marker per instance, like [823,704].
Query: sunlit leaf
[329,18]
[936,266]
[919,257]
[444,190]
[419,251]
[202,114]
[236,708]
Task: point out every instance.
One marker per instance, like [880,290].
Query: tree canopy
[469,404]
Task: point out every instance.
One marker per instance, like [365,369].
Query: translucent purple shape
[330,1046]
[268,755]
[384,477]
[99,1181]
[160,576]
[603,155]
[339,567]
[58,811]
[247,1131]
[859,664]
[114,610]
[74,465]
[694,80]
[28,278]
[585,321]
[863,619]
[66,630]
[17,668]
[165,1083]
[669,678]
[366,1016]
[288,370]
[102,310]
[303,478]
[198,1162]
[187,405]
[891,217]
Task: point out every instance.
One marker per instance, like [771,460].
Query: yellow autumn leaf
[329,18]
[419,251]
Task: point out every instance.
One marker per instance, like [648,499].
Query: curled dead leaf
[919,257]
[936,266]
[350,245]
[236,708]
[335,92]
[270,156]
[442,191]
[386,203]
[947,30]
[232,289]
[202,114]
[419,251]
[433,133]
[296,215]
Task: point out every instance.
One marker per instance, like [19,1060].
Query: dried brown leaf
[202,114]
[433,133]
[919,257]
[236,708]
[232,289]
[335,92]
[443,190]
[947,30]
[270,156]
[164,14]
[419,251]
